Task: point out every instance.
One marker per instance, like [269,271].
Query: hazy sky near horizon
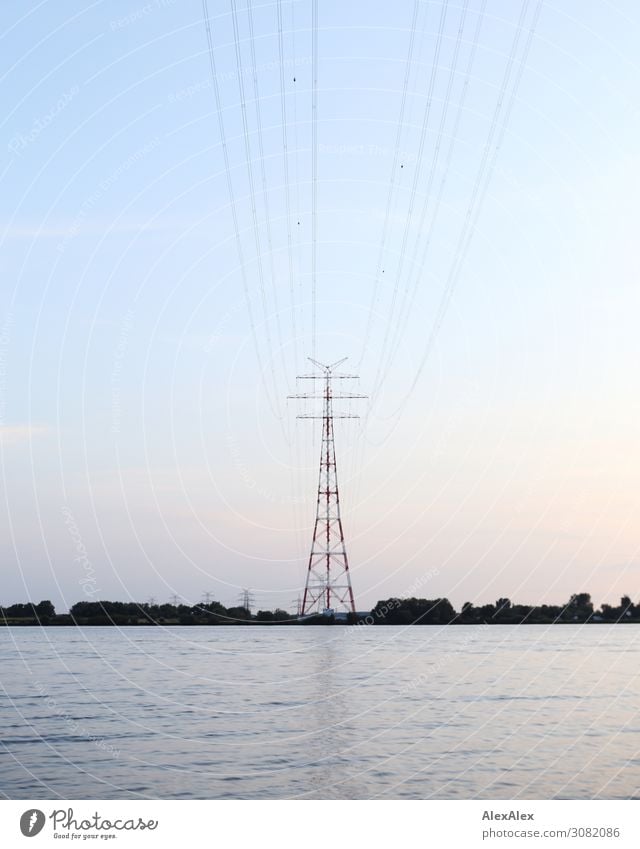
[477,262]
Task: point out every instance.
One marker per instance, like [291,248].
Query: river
[531,712]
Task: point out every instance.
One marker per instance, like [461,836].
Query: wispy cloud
[19,434]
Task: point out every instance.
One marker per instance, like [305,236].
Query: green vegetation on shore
[392,611]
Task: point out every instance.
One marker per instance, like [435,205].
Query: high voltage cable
[414,185]
[252,194]
[392,182]
[300,288]
[496,135]
[443,181]
[287,190]
[265,193]
[462,236]
[233,206]
[414,270]
[296,164]
[295,463]
[359,451]
[314,169]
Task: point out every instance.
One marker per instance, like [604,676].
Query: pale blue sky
[146,451]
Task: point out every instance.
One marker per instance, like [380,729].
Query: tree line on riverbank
[392,611]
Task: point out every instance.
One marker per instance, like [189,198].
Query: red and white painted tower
[328,585]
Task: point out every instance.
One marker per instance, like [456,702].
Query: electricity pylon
[246,600]
[328,582]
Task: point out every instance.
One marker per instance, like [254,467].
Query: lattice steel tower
[328,582]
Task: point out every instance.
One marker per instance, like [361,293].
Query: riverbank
[394,611]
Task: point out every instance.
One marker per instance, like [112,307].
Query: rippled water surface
[311,712]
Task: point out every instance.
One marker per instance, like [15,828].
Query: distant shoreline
[393,611]
[294,622]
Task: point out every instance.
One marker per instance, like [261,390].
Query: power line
[408,297]
[392,181]
[295,463]
[359,452]
[287,189]
[495,135]
[314,170]
[252,192]
[479,192]
[296,166]
[265,193]
[414,185]
[233,207]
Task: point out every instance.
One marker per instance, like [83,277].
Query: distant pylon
[246,600]
[328,583]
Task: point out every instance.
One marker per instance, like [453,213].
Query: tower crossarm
[340,397]
[323,376]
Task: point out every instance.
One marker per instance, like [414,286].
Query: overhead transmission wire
[296,158]
[455,270]
[435,65]
[414,271]
[495,137]
[251,179]
[468,70]
[314,172]
[252,194]
[296,165]
[234,213]
[392,181]
[265,192]
[287,188]
[302,295]
[360,450]
[294,462]
[265,196]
